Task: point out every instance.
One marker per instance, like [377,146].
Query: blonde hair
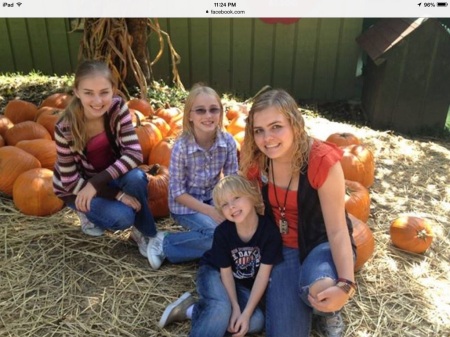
[198,89]
[283,102]
[74,113]
[239,186]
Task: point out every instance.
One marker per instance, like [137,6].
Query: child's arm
[226,275]
[259,286]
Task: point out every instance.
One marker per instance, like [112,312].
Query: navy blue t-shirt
[244,258]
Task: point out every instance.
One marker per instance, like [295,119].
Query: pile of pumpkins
[28,154]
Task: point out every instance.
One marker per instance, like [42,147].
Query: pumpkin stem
[423,234]
[154,169]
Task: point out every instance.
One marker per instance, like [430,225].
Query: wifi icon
[18,4]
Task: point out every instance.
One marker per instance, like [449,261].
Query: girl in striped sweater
[98,153]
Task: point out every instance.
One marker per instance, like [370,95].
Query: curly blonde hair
[251,155]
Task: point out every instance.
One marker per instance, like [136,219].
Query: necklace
[283,223]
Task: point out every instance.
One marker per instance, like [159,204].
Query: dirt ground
[55,281]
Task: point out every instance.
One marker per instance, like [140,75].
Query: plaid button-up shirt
[195,171]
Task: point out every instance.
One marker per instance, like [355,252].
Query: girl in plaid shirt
[200,157]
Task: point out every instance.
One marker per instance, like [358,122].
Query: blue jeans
[212,312]
[288,312]
[189,245]
[115,215]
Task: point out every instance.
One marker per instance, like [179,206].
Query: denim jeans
[288,312]
[189,245]
[115,215]
[212,312]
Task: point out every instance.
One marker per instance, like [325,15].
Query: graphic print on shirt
[247,261]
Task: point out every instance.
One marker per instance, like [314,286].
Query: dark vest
[311,225]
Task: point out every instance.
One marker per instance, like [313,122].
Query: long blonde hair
[238,186]
[74,113]
[197,89]
[251,155]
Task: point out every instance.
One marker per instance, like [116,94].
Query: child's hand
[235,314]
[84,198]
[241,326]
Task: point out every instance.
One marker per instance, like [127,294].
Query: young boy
[234,273]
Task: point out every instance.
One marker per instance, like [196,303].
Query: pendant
[283,226]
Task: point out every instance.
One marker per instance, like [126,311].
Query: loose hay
[56,281]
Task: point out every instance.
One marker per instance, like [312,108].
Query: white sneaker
[140,239]
[88,227]
[155,252]
[331,326]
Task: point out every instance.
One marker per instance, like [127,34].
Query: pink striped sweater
[73,171]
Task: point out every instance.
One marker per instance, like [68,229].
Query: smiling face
[205,114]
[273,134]
[95,93]
[238,209]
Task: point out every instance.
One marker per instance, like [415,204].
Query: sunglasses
[202,111]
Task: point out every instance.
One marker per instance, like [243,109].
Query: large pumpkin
[357,200]
[148,135]
[25,131]
[48,116]
[358,164]
[57,100]
[343,139]
[20,111]
[13,162]
[43,149]
[33,193]
[364,241]
[237,124]
[158,189]
[161,152]
[411,233]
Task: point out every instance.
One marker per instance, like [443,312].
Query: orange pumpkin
[43,149]
[161,152]
[25,131]
[411,233]
[5,124]
[343,139]
[162,125]
[358,164]
[237,124]
[148,135]
[20,111]
[137,117]
[33,193]
[57,100]
[48,116]
[158,189]
[141,105]
[13,162]
[169,114]
[357,200]
[364,241]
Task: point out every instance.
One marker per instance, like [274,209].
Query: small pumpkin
[411,233]
[13,162]
[343,139]
[358,164]
[148,136]
[237,124]
[169,114]
[357,200]
[20,111]
[33,193]
[48,116]
[158,189]
[364,241]
[57,100]
[141,105]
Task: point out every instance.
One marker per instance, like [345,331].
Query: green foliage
[161,95]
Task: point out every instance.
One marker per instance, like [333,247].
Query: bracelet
[350,283]
[121,196]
